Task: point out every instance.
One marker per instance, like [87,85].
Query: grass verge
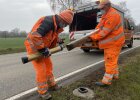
[126,88]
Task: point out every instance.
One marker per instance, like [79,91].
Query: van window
[127,25]
[86,20]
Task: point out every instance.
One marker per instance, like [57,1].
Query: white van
[85,20]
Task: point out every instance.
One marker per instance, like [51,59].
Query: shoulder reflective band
[111,39]
[35,33]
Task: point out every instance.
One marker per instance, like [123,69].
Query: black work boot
[54,88]
[101,84]
[46,96]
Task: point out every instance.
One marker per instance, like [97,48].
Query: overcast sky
[24,13]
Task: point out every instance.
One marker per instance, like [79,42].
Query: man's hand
[45,52]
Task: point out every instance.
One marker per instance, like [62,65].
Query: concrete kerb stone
[76,75]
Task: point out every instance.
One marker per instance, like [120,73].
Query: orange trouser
[43,67]
[111,64]
[44,74]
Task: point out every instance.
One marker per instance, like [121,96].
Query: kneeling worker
[111,38]
[44,36]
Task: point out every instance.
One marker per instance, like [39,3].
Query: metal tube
[80,41]
[38,55]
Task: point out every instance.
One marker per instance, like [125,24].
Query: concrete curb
[71,77]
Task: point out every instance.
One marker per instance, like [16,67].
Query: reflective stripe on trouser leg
[49,72]
[111,59]
[116,75]
[40,68]
[42,87]
[107,78]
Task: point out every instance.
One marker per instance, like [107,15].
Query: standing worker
[44,36]
[111,38]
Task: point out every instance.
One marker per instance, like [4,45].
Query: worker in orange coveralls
[111,38]
[44,36]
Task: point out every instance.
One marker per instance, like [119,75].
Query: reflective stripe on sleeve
[106,29]
[109,30]
[111,39]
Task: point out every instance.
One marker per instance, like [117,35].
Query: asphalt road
[16,77]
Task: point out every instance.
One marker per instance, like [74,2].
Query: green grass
[66,37]
[11,45]
[15,45]
[126,88]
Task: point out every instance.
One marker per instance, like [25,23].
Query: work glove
[45,52]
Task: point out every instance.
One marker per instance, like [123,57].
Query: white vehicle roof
[93,5]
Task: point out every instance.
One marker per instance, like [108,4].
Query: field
[66,37]
[11,45]
[15,45]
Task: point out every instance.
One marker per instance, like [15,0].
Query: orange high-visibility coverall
[43,34]
[111,38]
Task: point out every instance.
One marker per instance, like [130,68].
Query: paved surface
[16,77]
